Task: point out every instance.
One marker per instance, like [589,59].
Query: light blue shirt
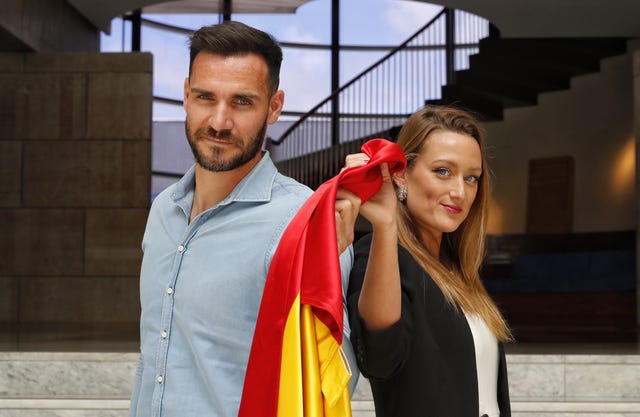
[200,288]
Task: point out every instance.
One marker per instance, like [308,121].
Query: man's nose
[220,118]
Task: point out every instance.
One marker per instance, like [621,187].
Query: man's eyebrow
[247,95]
[252,96]
[199,90]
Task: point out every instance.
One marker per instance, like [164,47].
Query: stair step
[596,47]
[544,77]
[506,89]
[585,52]
[98,384]
[513,72]
[51,404]
[487,107]
[577,56]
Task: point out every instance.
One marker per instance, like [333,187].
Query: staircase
[600,381]
[508,73]
[504,73]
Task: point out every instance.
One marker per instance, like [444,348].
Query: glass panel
[388,22]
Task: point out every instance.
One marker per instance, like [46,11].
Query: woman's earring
[401,193]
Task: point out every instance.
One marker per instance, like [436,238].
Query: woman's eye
[472,179]
[441,171]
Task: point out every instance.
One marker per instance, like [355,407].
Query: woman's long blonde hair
[456,272]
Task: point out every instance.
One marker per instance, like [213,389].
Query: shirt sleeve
[346,263]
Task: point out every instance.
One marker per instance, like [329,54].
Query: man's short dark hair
[235,38]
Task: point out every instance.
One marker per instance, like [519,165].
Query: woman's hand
[379,210]
[346,210]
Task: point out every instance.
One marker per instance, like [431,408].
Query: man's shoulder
[284,186]
[164,196]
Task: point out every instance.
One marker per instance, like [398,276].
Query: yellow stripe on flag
[290,392]
[314,372]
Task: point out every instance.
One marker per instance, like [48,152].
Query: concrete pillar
[51,25]
[75,163]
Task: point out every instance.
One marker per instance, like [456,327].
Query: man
[210,237]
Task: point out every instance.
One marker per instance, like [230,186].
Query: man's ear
[186,93]
[275,106]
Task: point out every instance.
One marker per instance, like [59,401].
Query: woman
[425,331]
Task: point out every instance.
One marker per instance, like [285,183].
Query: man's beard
[211,157]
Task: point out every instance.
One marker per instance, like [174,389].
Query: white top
[486,348]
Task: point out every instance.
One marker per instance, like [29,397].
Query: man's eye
[243,101]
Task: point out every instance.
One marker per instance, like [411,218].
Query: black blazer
[424,365]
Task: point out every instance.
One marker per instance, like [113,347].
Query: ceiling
[514,18]
[555,18]
[100,13]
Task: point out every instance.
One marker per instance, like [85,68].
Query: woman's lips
[452,208]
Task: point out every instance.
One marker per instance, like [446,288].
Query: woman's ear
[398,178]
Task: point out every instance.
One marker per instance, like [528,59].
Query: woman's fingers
[347,207]
[355,160]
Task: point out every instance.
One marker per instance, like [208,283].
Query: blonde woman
[425,331]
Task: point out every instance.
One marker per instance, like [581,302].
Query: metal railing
[377,101]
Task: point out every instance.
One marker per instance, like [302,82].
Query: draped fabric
[297,366]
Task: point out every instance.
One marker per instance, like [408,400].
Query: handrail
[355,79]
[377,101]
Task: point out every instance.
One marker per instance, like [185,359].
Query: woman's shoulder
[408,264]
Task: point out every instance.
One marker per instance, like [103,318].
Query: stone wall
[591,122]
[75,152]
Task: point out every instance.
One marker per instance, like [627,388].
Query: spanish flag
[297,367]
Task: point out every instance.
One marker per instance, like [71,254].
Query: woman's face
[442,183]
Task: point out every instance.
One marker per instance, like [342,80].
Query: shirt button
[159,379]
[169,290]
[181,248]
[164,334]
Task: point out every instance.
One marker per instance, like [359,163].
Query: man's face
[228,105]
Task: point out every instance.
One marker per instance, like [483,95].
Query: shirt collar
[254,187]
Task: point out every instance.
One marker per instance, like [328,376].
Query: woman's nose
[458,188]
